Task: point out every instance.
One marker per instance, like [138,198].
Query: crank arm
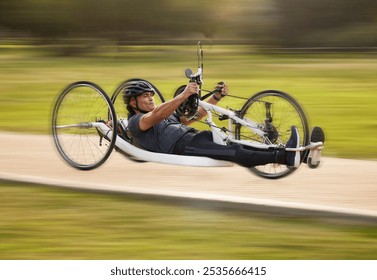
[311,146]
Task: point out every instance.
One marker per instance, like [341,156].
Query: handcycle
[87,125]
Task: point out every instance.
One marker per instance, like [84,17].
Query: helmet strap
[137,108]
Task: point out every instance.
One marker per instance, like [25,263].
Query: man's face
[145,101]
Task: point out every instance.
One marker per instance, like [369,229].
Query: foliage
[299,20]
[290,23]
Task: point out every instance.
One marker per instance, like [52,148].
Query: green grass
[50,223]
[338,91]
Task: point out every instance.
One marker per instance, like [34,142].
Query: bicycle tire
[83,146]
[285,111]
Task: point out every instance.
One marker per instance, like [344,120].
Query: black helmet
[136,88]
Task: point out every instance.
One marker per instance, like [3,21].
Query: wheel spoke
[81,103]
[285,112]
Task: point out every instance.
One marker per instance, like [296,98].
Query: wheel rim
[285,112]
[82,146]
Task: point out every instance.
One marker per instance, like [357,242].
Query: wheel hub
[272,133]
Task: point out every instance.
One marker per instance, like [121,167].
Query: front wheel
[274,112]
[78,108]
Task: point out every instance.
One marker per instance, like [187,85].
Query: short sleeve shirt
[160,138]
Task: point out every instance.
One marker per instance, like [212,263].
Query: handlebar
[189,107]
[196,78]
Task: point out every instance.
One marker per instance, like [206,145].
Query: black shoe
[293,157]
[317,135]
[314,156]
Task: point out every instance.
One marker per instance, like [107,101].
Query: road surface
[338,186]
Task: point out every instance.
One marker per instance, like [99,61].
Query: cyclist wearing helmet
[161,129]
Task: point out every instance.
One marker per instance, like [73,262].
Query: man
[160,129]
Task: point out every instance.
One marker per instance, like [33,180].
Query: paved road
[338,186]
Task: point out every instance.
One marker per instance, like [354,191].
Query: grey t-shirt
[160,138]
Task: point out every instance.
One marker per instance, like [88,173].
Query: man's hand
[221,90]
[191,88]
[167,108]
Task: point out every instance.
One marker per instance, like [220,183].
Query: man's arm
[214,99]
[164,110]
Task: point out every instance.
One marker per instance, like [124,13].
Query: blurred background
[323,52]
[264,23]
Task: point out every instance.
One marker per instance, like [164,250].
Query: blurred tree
[317,22]
[288,23]
[251,21]
[115,19]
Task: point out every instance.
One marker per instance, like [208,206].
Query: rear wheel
[78,141]
[275,112]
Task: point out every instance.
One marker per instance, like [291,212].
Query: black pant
[201,144]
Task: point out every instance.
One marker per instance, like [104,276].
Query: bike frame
[225,136]
[139,154]
[220,136]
